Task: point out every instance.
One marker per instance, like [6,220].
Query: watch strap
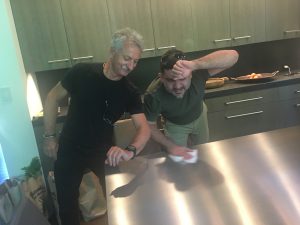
[131,148]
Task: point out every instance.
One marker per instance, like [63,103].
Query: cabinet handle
[242,37]
[297,105]
[148,49]
[245,114]
[221,40]
[83,57]
[297,92]
[58,60]
[166,47]
[291,31]
[243,100]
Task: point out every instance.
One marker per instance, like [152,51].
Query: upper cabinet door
[223,23]
[211,23]
[247,21]
[41,34]
[135,14]
[88,30]
[172,25]
[283,19]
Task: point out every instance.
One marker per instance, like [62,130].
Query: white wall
[16,131]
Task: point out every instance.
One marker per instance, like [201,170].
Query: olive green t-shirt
[177,110]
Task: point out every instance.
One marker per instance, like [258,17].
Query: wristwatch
[131,148]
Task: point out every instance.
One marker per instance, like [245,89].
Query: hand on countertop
[115,155]
[193,159]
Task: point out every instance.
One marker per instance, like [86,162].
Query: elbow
[51,100]
[234,56]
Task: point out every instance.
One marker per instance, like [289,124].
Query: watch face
[132,149]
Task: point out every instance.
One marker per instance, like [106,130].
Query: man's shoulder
[154,87]
[86,67]
[83,72]
[130,86]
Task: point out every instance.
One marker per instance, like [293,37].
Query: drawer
[239,112]
[233,123]
[242,100]
[290,112]
[289,92]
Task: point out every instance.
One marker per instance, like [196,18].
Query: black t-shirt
[96,103]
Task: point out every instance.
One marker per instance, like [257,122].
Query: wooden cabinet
[290,112]
[247,21]
[222,23]
[41,34]
[254,111]
[172,25]
[212,23]
[137,16]
[289,97]
[282,19]
[191,25]
[163,24]
[243,114]
[57,34]
[87,28]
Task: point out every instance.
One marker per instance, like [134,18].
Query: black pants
[68,172]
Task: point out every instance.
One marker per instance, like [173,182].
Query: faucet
[289,69]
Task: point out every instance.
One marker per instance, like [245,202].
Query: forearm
[50,115]
[141,138]
[216,61]
[160,138]
[50,107]
[143,132]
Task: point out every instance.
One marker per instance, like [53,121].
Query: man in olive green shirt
[177,94]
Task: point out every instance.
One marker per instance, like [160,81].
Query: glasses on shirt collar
[108,115]
[168,61]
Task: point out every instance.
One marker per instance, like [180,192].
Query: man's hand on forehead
[182,69]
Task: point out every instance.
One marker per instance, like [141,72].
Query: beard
[179,95]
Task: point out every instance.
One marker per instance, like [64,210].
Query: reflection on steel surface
[250,180]
[238,197]
[280,168]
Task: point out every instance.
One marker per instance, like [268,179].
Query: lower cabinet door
[243,121]
[290,113]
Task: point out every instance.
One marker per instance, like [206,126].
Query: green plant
[34,168]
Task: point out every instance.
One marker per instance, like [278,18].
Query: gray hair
[126,34]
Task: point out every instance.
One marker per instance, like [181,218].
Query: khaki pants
[194,133]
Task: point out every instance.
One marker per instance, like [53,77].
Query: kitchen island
[249,180]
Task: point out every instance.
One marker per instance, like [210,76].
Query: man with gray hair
[99,94]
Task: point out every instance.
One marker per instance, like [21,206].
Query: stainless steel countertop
[250,180]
